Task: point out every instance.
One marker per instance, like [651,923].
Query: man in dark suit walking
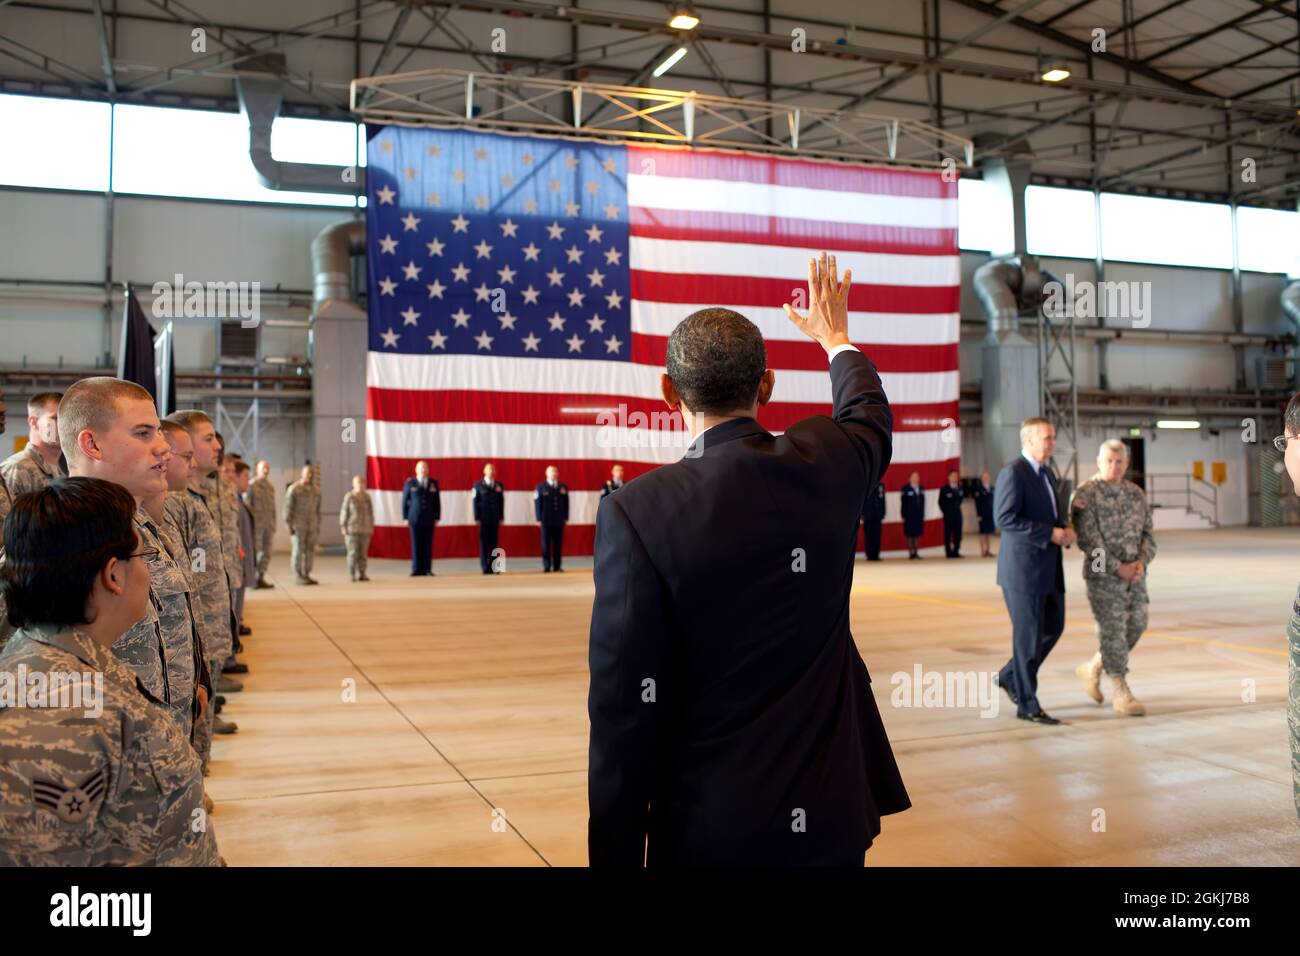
[551,509]
[489,510]
[732,719]
[421,509]
[873,520]
[1030,570]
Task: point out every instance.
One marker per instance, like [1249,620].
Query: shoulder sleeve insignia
[70,804]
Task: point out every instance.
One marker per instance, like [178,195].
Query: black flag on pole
[135,361]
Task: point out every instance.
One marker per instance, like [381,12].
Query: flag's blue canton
[497,245]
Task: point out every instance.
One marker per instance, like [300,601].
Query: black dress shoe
[220,700]
[245,630]
[1042,717]
[1007,690]
[238,667]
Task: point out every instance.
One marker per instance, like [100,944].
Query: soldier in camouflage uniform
[302,516]
[38,463]
[6,502]
[1113,520]
[206,549]
[357,522]
[99,775]
[110,430]
[1289,444]
[223,490]
[261,499]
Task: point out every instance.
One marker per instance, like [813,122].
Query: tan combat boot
[1125,703]
[1090,674]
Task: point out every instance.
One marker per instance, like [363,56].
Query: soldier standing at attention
[261,498]
[220,484]
[238,479]
[357,522]
[111,431]
[983,495]
[40,462]
[873,520]
[208,560]
[113,782]
[615,481]
[551,508]
[302,517]
[489,510]
[1113,521]
[1288,444]
[421,510]
[913,506]
[950,499]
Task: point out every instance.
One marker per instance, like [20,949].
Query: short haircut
[92,403]
[170,428]
[38,402]
[241,466]
[1291,418]
[56,541]
[1029,424]
[189,419]
[716,361]
[1112,445]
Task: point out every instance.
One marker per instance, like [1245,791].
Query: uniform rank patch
[70,804]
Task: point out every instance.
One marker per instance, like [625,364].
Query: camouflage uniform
[1293,698]
[207,561]
[261,499]
[6,503]
[174,533]
[357,522]
[302,516]
[169,589]
[26,470]
[120,789]
[1114,526]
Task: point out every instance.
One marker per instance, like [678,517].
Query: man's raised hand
[827,321]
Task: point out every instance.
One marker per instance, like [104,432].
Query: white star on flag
[530,342]
[509,228]
[409,315]
[594,233]
[436,289]
[596,277]
[530,295]
[507,275]
[388,243]
[460,224]
[387,286]
[571,209]
[611,211]
[390,339]
[507,321]
[435,247]
[531,252]
[596,324]
[461,272]
[555,275]
[574,254]
[612,344]
[385,196]
[409,222]
[483,249]
[557,322]
[555,230]
[484,341]
[576,296]
[437,340]
[575,344]
[460,317]
[412,270]
[613,257]
[615,300]
[482,293]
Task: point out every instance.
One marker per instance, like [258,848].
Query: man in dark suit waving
[421,509]
[1030,570]
[732,719]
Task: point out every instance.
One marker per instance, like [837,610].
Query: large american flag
[522,291]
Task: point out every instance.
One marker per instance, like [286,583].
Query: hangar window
[1172,232]
[1061,222]
[53,143]
[1268,240]
[203,154]
[983,218]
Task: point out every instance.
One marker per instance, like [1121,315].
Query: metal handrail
[1195,495]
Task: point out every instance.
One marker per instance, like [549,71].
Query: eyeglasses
[1280,442]
[148,554]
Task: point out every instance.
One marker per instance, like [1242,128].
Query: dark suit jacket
[873,508]
[728,700]
[551,507]
[950,500]
[912,504]
[1022,506]
[608,488]
[489,502]
[421,506]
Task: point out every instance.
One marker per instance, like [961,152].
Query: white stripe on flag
[703,196]
[753,259]
[879,328]
[597,377]
[584,442]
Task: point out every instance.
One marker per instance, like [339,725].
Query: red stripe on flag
[754,290]
[811,357]
[652,223]
[523,545]
[580,474]
[694,163]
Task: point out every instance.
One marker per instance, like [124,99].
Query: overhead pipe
[331,261]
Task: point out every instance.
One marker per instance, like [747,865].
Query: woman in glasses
[93,770]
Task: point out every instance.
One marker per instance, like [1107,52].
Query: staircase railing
[1186,491]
